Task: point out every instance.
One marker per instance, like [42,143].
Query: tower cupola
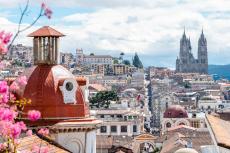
[45,45]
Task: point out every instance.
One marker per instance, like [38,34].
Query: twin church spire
[186,63]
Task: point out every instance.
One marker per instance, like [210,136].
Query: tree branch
[20,22]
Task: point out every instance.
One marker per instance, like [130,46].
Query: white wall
[78,142]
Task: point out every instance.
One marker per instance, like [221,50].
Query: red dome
[175,111]
[43,88]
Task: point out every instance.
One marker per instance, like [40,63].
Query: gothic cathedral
[186,63]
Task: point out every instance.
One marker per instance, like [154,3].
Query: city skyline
[153,29]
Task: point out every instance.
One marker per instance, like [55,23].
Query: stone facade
[186,63]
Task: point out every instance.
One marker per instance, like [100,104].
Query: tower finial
[184,30]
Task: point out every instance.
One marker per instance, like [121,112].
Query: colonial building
[186,62]
[120,69]
[81,58]
[176,115]
[124,122]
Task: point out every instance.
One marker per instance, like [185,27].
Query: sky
[152,28]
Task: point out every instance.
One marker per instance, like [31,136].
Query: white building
[207,102]
[120,122]
[92,59]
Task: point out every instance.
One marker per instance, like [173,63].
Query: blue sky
[151,28]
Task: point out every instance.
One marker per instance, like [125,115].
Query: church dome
[54,91]
[186,150]
[175,111]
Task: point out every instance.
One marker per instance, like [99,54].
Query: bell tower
[45,46]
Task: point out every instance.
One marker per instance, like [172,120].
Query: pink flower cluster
[4,92]
[47,11]
[20,81]
[7,114]
[4,40]
[12,130]
[34,115]
[44,131]
[2,146]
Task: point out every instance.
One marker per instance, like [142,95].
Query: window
[130,117]
[69,86]
[134,128]
[123,128]
[112,116]
[181,123]
[102,116]
[181,114]
[119,116]
[168,125]
[103,129]
[113,129]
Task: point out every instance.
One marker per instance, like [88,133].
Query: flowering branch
[44,11]
[11,109]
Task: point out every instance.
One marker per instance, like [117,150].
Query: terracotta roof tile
[27,143]
[221,130]
[46,31]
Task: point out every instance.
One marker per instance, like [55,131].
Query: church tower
[79,56]
[185,49]
[202,54]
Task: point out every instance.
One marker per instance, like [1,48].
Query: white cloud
[152,28]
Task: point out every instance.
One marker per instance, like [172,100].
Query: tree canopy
[102,99]
[126,62]
[137,62]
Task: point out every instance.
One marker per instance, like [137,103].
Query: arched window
[181,123]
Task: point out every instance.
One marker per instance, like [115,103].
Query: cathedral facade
[186,63]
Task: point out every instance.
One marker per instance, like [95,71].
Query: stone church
[186,63]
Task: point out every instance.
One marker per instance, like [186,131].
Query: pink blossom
[34,115]
[14,86]
[48,13]
[5,128]
[43,5]
[12,96]
[22,125]
[4,98]
[7,38]
[44,149]
[7,115]
[44,131]
[29,133]
[3,87]
[22,80]
[17,141]
[15,131]
[3,146]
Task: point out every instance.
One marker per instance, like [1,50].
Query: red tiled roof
[221,130]
[27,143]
[46,31]
[43,90]
[175,111]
